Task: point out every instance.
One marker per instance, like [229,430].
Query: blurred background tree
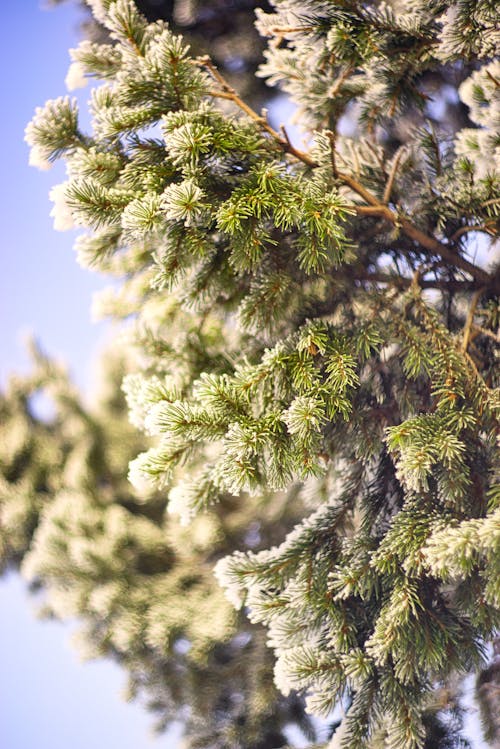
[140,585]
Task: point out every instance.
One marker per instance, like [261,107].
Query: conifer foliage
[225,29]
[314,324]
[140,586]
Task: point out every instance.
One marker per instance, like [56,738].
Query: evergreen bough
[140,586]
[317,323]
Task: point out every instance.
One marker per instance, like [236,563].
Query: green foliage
[313,330]
[53,131]
[140,585]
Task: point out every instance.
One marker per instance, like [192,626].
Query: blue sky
[42,287]
[48,699]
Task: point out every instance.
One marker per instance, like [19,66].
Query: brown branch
[485,228]
[229,93]
[344,75]
[438,248]
[291,29]
[331,138]
[492,78]
[365,194]
[473,366]
[231,96]
[449,285]
[484,331]
[285,135]
[470,320]
[491,201]
[430,243]
[392,175]
[369,210]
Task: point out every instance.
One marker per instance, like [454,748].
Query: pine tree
[140,584]
[315,324]
[223,28]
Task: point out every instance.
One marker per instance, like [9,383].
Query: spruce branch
[228,92]
[376,208]
[426,241]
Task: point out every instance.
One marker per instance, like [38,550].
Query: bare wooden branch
[392,175]
[470,320]
[405,282]
[484,331]
[331,138]
[484,228]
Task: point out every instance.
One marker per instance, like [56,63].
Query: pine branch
[424,240]
[430,243]
[229,93]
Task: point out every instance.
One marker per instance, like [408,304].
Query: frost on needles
[317,322]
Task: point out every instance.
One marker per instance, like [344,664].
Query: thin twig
[484,331]
[392,175]
[285,134]
[492,78]
[376,152]
[331,138]
[470,319]
[473,365]
[290,30]
[344,75]
[467,229]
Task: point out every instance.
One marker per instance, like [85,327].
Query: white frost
[224,574]
[61,212]
[37,158]
[75,77]
[178,504]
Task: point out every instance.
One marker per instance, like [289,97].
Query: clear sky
[42,287]
[48,699]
